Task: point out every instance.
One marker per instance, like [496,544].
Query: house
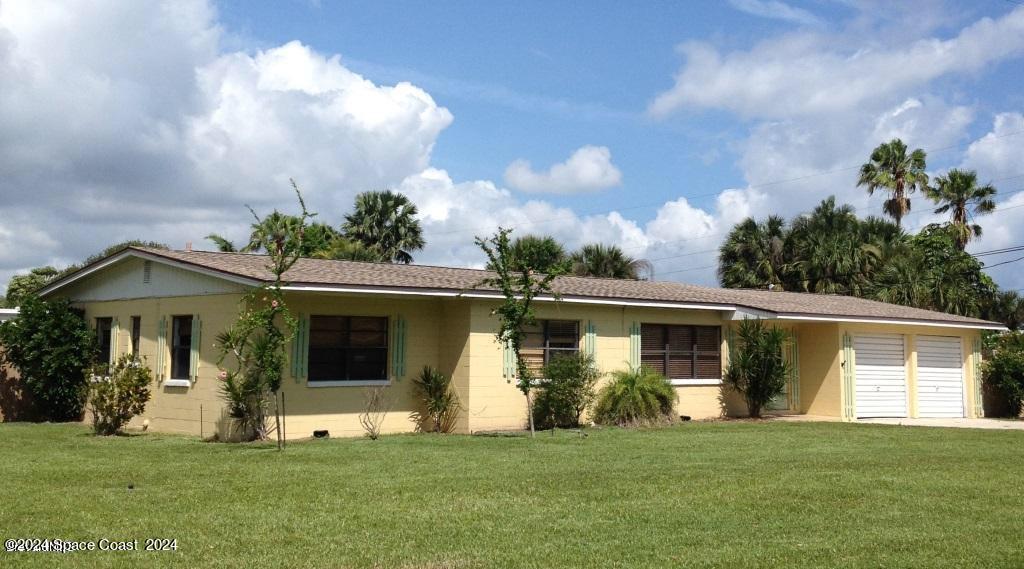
[369,324]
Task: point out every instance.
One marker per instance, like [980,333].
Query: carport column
[847,363]
[910,354]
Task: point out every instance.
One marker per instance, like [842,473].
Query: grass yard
[729,494]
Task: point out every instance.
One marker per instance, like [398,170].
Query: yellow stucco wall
[175,409]
[457,336]
[820,371]
[495,403]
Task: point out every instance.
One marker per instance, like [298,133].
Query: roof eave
[882,320]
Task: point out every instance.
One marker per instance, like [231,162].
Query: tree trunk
[529,412]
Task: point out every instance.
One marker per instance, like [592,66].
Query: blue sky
[652,126]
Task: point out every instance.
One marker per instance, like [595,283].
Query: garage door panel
[940,376]
[881,379]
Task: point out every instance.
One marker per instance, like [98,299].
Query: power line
[762,185]
[855,208]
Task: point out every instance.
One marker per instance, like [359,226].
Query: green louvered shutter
[161,348]
[979,404]
[508,369]
[849,397]
[398,347]
[300,349]
[590,340]
[197,339]
[634,345]
[794,372]
[113,341]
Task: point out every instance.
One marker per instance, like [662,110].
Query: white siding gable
[126,280]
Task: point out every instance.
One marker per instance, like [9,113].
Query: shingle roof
[329,273]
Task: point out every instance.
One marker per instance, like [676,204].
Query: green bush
[757,369]
[566,392]
[440,402]
[1004,369]
[51,346]
[636,397]
[117,394]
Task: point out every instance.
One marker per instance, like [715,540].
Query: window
[136,335]
[181,346]
[348,348]
[103,327]
[682,352]
[547,339]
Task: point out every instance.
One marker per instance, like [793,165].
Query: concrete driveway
[957,423]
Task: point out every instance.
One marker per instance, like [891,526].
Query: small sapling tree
[519,284]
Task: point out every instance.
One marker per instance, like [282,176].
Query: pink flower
[222,375]
[274,304]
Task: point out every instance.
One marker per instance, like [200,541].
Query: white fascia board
[148,257]
[743,313]
[935,324]
[498,296]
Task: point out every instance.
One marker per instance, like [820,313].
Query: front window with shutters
[546,339]
[181,346]
[348,348]
[682,352]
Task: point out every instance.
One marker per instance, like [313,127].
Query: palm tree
[385,221]
[959,194]
[345,249]
[597,260]
[1007,307]
[832,255]
[543,254]
[891,169]
[224,245]
[754,254]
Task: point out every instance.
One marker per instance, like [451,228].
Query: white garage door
[940,377]
[881,378]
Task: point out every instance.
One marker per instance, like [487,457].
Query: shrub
[757,369]
[51,346]
[376,410]
[1004,369]
[440,402]
[567,391]
[117,394]
[635,397]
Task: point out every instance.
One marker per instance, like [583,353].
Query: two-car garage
[881,376]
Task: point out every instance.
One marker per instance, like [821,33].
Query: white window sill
[177,383]
[695,381]
[352,383]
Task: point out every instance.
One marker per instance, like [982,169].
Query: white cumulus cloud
[589,169]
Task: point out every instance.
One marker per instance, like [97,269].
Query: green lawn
[726,494]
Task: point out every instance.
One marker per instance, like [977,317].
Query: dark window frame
[136,335]
[348,353]
[547,349]
[181,351]
[104,340]
[695,354]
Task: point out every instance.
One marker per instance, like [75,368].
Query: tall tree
[959,194]
[890,168]
[754,254]
[608,261]
[540,252]
[21,287]
[345,249]
[385,221]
